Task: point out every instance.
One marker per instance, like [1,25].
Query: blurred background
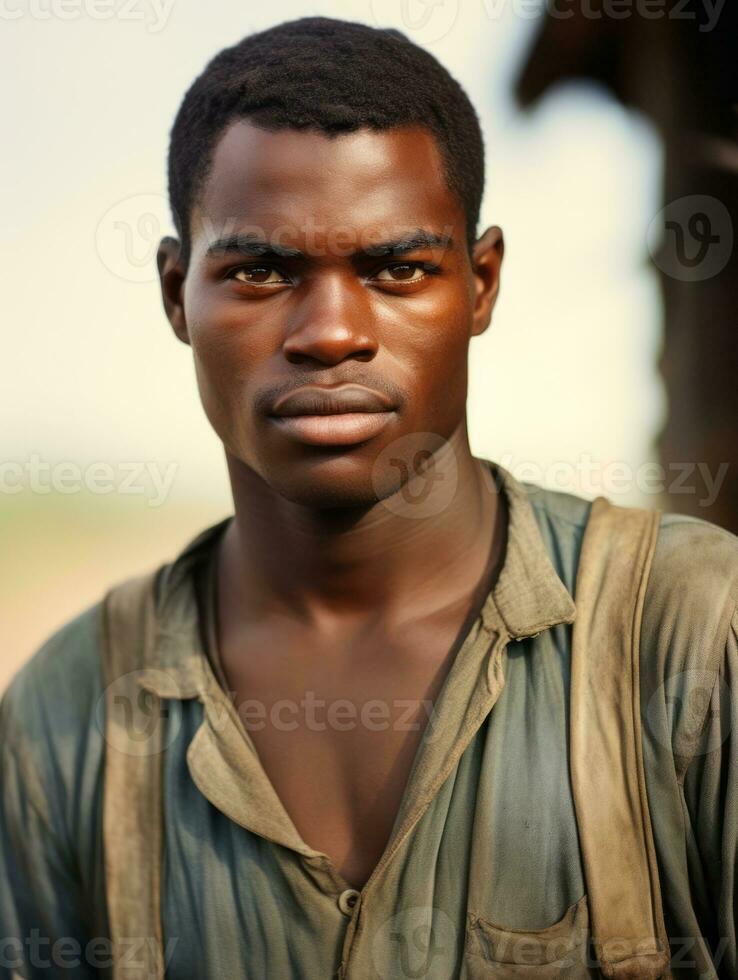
[611,364]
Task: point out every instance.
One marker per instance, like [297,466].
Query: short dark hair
[334,76]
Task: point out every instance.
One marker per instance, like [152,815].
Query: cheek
[217,366]
[219,353]
[225,357]
[216,383]
[440,318]
[436,349]
[226,348]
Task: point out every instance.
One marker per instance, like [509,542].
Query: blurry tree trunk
[684,77]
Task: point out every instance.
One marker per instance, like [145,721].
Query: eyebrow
[252,245]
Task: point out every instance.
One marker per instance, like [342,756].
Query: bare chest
[337,728]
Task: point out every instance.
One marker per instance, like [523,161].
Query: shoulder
[687,634]
[58,690]
[51,740]
[59,684]
[692,590]
[692,550]
[691,599]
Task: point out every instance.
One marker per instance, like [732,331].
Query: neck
[391,560]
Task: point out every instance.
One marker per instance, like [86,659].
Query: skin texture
[351,571]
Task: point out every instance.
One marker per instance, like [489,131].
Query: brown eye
[256,275]
[405,272]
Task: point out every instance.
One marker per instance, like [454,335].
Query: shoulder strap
[132,799]
[608,781]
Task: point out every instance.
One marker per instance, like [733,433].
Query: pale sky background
[92,374]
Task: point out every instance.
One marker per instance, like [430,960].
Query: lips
[344,416]
[315,400]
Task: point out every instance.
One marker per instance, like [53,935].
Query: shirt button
[347,900]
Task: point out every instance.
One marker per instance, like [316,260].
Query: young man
[373,746]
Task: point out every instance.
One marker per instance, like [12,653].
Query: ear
[486,263]
[171,278]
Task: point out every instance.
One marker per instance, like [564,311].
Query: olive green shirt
[483,865]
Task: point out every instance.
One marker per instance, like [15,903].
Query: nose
[331,322]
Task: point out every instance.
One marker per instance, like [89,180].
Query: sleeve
[42,927]
[53,919]
[711,799]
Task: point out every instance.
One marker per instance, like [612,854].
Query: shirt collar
[527,598]
[529,595]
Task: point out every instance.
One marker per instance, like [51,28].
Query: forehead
[304,178]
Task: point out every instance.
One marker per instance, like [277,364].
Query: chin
[354,479]
[317,494]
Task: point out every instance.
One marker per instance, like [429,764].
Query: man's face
[326,310]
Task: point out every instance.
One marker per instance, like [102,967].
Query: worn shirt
[484,848]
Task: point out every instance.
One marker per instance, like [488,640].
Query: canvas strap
[608,782]
[132,798]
